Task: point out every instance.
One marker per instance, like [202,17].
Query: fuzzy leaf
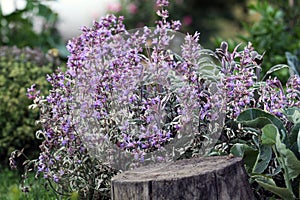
[293,62]
[239,149]
[248,153]
[252,117]
[206,66]
[263,159]
[269,184]
[277,68]
[289,159]
[293,138]
[269,133]
[298,141]
[259,122]
[293,114]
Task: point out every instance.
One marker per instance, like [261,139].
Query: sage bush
[126,97]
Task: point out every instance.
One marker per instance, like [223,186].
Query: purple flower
[64,142]
[32,93]
[61,172]
[55,178]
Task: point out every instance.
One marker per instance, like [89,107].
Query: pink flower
[187,20]
[132,8]
[114,7]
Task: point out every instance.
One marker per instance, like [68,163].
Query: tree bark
[212,178]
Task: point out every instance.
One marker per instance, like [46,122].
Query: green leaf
[293,114]
[277,68]
[269,184]
[239,149]
[259,122]
[298,141]
[74,195]
[263,159]
[248,153]
[289,159]
[44,10]
[269,133]
[292,140]
[255,118]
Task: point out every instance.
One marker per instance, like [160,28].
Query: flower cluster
[132,92]
[293,91]
[32,93]
[239,69]
[128,97]
[258,111]
[123,92]
[244,89]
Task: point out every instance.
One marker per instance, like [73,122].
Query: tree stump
[213,178]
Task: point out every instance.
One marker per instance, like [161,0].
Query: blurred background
[34,33]
[211,18]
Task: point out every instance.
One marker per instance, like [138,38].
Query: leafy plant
[127,97]
[253,103]
[19,68]
[275,151]
[275,32]
[10,189]
[123,93]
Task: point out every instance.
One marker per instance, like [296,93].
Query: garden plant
[264,129]
[276,33]
[127,96]
[19,68]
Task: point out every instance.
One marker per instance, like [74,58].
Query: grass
[10,188]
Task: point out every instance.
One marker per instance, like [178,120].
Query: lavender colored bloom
[113,92]
[62,148]
[61,172]
[162,2]
[55,178]
[46,176]
[64,142]
[32,93]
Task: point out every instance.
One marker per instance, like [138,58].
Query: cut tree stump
[213,178]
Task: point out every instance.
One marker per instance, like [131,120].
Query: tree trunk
[212,178]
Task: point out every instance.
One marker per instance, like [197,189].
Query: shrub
[123,93]
[275,32]
[127,97]
[20,68]
[262,123]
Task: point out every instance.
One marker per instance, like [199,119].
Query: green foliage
[276,32]
[271,154]
[19,69]
[18,28]
[10,189]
